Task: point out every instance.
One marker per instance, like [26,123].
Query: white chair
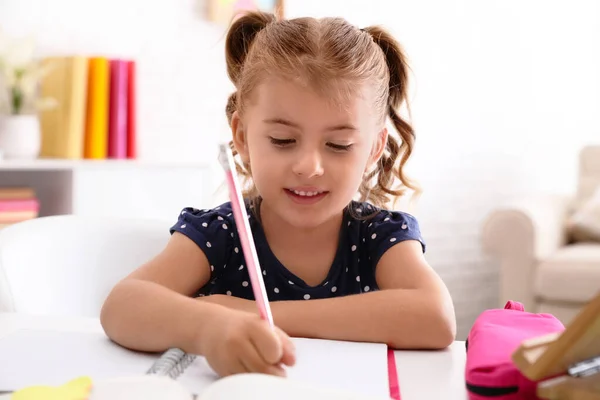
[66,265]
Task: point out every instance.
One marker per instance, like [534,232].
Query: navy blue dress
[361,245]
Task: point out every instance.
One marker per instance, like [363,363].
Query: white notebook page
[34,357]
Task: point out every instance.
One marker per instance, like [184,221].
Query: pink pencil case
[490,372]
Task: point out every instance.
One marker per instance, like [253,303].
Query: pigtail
[238,42]
[239,39]
[396,151]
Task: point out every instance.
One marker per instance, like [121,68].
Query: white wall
[504,95]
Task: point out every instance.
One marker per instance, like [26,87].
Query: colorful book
[12,217]
[117,125]
[63,126]
[131,110]
[9,193]
[19,205]
[96,134]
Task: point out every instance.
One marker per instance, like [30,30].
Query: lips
[306,195]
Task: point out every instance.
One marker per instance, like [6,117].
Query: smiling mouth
[306,196]
[303,193]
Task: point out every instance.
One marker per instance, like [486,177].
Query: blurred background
[504,98]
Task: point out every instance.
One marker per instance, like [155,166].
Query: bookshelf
[60,164]
[113,188]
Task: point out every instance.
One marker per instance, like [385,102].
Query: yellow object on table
[76,389]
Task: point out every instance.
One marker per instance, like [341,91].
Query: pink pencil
[243,227]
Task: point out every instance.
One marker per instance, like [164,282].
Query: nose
[308,164]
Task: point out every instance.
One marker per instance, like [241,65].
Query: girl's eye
[339,147]
[281,142]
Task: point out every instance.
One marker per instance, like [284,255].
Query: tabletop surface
[422,375]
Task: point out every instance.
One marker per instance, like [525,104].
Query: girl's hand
[240,342]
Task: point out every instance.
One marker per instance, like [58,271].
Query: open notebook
[44,357]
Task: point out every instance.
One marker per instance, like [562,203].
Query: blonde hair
[331,56]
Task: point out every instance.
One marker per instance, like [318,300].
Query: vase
[20,137]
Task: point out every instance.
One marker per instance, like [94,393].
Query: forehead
[296,99]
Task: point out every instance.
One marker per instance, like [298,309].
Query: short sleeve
[389,228]
[212,230]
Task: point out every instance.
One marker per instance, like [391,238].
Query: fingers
[267,342]
[289,350]
[244,358]
[244,343]
[252,361]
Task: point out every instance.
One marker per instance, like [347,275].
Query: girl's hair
[334,58]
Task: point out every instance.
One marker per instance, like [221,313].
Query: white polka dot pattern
[361,245]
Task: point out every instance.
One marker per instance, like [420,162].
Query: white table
[422,375]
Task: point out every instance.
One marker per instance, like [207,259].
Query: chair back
[67,265]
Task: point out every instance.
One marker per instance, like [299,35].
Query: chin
[307,217]
[305,221]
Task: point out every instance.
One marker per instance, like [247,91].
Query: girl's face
[307,155]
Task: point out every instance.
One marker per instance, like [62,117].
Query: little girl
[308,121]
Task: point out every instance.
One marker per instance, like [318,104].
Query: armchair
[539,265]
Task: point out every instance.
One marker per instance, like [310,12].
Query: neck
[280,233]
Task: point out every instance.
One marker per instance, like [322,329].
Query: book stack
[95,112]
[16,205]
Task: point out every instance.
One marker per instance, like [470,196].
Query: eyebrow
[281,121]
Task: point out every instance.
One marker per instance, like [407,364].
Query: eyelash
[340,147]
[287,142]
[281,142]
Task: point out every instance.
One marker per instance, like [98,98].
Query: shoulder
[367,212]
[206,227]
[380,225]
[221,214]
[394,219]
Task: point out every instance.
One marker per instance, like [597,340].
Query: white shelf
[131,188]
[68,165]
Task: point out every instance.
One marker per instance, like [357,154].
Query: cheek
[259,151]
[360,158]
[349,169]
[360,164]
[356,171]
[263,166]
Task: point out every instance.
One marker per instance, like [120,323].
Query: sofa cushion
[572,274]
[584,224]
[589,174]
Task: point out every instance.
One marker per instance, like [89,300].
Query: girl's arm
[151,310]
[412,310]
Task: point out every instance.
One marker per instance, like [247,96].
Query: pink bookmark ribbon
[393,375]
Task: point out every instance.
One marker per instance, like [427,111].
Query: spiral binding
[172,363]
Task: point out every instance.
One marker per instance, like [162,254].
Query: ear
[238,133]
[378,146]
